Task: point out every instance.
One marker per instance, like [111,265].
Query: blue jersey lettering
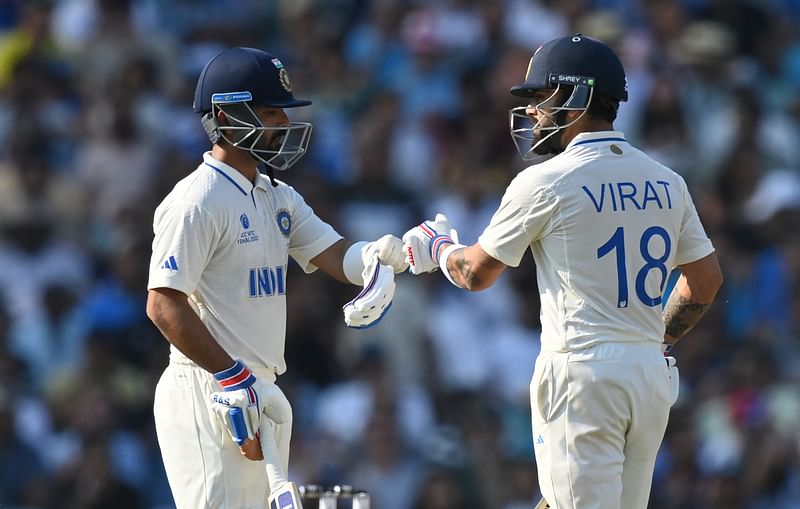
[267,281]
[629,196]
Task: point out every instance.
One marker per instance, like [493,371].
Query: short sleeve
[524,216]
[182,247]
[309,235]
[693,243]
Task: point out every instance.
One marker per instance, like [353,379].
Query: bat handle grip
[272,457]
[237,425]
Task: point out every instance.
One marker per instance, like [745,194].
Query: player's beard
[552,121]
[269,141]
[552,141]
[272,140]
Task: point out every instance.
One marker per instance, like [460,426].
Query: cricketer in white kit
[606,225]
[217,285]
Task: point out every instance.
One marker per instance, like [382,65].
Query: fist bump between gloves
[389,250]
[425,243]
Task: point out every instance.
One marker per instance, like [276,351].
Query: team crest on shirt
[248,235]
[284,220]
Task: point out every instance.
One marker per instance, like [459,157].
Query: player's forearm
[694,292]
[470,267]
[683,311]
[462,271]
[181,326]
[331,260]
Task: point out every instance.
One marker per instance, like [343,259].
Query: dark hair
[603,107]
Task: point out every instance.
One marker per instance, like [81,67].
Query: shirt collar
[262,181]
[233,175]
[589,138]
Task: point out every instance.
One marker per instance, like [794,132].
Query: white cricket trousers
[598,418]
[205,467]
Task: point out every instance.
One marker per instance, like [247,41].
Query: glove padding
[424,243]
[374,301]
[243,400]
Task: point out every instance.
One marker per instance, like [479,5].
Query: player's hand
[251,449]
[390,252]
[374,301]
[424,243]
[243,401]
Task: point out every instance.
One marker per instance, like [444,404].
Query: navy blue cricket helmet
[575,60]
[234,82]
[246,69]
[582,66]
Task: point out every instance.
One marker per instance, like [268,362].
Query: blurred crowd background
[430,410]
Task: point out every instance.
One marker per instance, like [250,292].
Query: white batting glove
[374,301]
[244,399]
[424,243]
[357,259]
[390,252]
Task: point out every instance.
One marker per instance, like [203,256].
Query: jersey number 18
[617,243]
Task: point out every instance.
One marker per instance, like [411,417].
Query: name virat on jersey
[625,196]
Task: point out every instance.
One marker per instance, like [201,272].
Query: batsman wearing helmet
[217,285]
[606,224]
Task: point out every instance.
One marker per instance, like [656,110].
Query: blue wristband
[236,377]
[437,244]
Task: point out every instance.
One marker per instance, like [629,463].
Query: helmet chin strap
[556,147]
[267,170]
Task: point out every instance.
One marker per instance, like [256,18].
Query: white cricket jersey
[606,224]
[226,243]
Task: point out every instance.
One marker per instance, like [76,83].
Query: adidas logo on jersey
[170,264]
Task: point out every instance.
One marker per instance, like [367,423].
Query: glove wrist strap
[235,377]
[443,261]
[438,243]
[353,263]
